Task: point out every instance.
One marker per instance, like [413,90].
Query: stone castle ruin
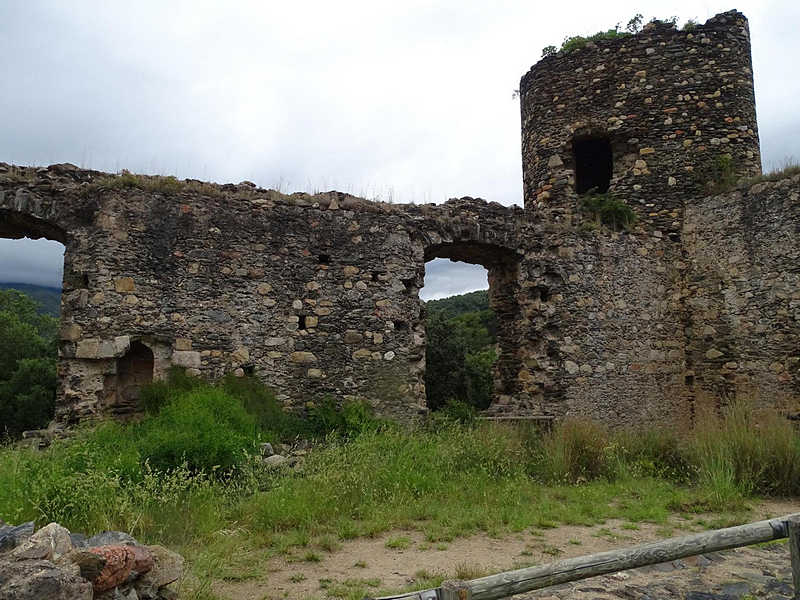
[698,301]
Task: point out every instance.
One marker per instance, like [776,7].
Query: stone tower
[652,118]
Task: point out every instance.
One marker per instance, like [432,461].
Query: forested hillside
[49,298]
[457,305]
[461,351]
[27,364]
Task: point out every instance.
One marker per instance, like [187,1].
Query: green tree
[27,364]
[459,359]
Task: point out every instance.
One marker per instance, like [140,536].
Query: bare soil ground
[402,558]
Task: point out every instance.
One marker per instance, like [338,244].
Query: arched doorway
[134,370]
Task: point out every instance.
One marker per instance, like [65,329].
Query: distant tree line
[28,351]
[47,297]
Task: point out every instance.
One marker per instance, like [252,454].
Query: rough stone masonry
[318,296]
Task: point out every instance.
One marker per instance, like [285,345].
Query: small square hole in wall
[324,259]
[301,324]
[593,164]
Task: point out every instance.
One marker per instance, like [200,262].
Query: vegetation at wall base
[192,469]
[189,476]
[189,473]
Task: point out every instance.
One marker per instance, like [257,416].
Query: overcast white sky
[409,101]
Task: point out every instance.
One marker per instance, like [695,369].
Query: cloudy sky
[409,101]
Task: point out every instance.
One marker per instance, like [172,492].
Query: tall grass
[739,453]
[187,475]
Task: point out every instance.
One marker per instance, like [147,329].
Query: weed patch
[444,480]
[607,210]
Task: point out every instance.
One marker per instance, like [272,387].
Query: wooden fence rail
[509,583]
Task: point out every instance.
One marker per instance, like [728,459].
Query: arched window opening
[134,370]
[593,165]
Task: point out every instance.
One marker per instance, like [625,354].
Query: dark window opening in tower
[593,165]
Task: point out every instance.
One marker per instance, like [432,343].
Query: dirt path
[404,558]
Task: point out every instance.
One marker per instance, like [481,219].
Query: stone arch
[134,370]
[28,216]
[502,265]
[16,224]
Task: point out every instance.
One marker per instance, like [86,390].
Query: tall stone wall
[669,102]
[318,296]
[604,327]
[743,295]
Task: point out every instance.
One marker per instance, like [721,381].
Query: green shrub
[720,174]
[151,183]
[653,453]
[608,210]
[359,418]
[154,395]
[327,417]
[260,401]
[459,412]
[575,451]
[737,455]
[204,428]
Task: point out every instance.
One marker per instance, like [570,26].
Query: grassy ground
[229,514]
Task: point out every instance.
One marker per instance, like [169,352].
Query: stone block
[71,332]
[302,357]
[241,355]
[186,358]
[353,337]
[124,284]
[167,568]
[182,344]
[49,543]
[87,348]
[350,271]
